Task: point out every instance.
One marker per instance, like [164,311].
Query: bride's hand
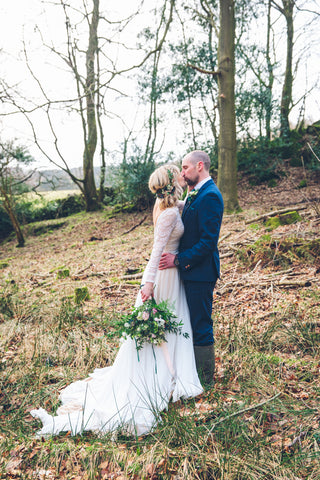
[147,291]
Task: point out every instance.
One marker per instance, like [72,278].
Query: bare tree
[270,82]
[286,9]
[91,85]
[227,152]
[227,167]
[260,61]
[85,102]
[90,192]
[13,181]
[160,38]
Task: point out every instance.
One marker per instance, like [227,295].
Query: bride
[129,395]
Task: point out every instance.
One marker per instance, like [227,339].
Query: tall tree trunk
[286,98]
[90,191]
[99,107]
[227,156]
[270,76]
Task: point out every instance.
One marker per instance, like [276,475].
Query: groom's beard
[192,182]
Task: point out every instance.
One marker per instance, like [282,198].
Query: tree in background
[138,159]
[255,70]
[193,94]
[191,67]
[227,163]
[84,102]
[270,67]
[225,74]
[95,72]
[90,126]
[13,181]
[286,98]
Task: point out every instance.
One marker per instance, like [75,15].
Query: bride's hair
[164,183]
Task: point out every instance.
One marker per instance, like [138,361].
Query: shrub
[7,300]
[262,159]
[70,205]
[69,314]
[309,156]
[109,195]
[131,180]
[5,224]
[29,211]
[257,160]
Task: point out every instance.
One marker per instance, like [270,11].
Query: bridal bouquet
[149,324]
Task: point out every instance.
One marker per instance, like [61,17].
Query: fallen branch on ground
[265,282]
[225,255]
[224,237]
[131,277]
[92,274]
[274,213]
[135,226]
[79,272]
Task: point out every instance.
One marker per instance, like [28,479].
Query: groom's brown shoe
[205,363]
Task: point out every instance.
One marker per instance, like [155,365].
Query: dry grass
[267,345]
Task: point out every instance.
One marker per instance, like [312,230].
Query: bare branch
[313,12]
[277,6]
[202,70]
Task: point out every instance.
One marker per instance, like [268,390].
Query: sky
[23,19]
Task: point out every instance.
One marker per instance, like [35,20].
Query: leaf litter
[267,331]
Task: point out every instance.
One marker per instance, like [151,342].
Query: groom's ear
[200,166]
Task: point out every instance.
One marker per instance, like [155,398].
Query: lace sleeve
[165,224]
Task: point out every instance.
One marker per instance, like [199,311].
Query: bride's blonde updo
[164,183]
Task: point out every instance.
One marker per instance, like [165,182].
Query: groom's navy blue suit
[199,257]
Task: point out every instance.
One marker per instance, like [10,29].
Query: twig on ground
[92,274]
[79,272]
[269,281]
[132,276]
[225,255]
[240,412]
[297,439]
[224,237]
[135,226]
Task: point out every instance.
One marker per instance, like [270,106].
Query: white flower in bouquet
[150,323]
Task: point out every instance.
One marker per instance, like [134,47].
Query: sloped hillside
[261,418]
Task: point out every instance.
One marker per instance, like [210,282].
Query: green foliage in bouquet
[149,323]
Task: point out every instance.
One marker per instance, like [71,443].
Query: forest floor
[261,420]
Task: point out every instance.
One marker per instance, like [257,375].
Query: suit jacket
[198,251]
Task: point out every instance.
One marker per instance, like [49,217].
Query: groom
[198,257]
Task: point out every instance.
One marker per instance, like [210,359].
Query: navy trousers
[199,298]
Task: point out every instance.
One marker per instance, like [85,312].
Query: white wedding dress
[129,395]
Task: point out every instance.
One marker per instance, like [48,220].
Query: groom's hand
[166,261]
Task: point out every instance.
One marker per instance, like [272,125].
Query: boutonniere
[192,195]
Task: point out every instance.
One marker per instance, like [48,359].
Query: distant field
[51,195]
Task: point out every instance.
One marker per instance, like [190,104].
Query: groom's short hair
[199,156]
